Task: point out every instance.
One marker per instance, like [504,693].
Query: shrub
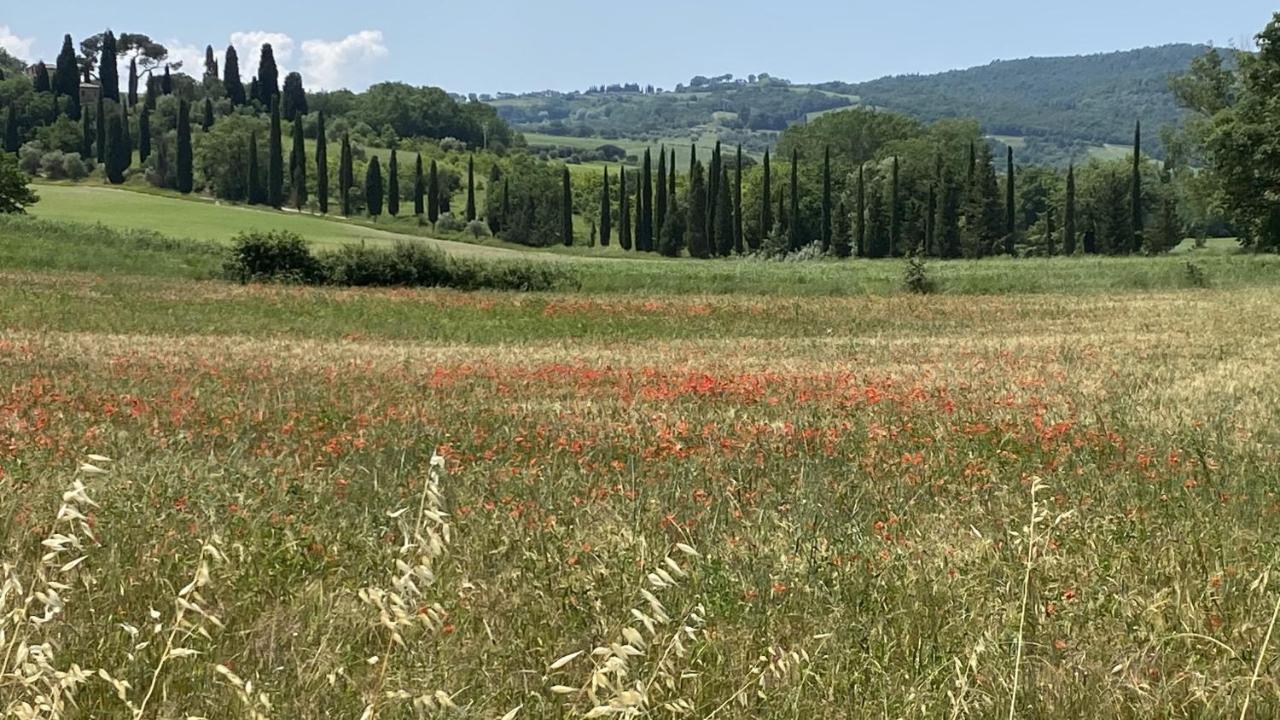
[406,264]
[278,256]
[51,165]
[477,229]
[1195,275]
[449,223]
[29,157]
[917,279]
[531,277]
[73,167]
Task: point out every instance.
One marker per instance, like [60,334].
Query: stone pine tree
[373,188]
[100,123]
[766,206]
[861,245]
[419,189]
[275,159]
[322,166]
[1010,206]
[393,185]
[346,175]
[1069,214]
[257,194]
[298,166]
[471,188]
[1135,193]
[646,202]
[433,193]
[826,200]
[624,211]
[696,226]
[606,212]
[794,215]
[895,211]
[231,81]
[660,193]
[268,76]
[724,213]
[185,159]
[66,78]
[566,207]
[108,70]
[738,240]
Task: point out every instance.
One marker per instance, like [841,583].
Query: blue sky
[567,44]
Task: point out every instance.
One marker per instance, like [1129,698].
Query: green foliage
[275,147]
[231,81]
[224,158]
[268,77]
[695,225]
[15,194]
[294,97]
[322,165]
[373,188]
[916,278]
[298,166]
[566,208]
[185,157]
[271,256]
[429,112]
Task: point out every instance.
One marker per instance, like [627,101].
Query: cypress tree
[166,82]
[108,71]
[185,178]
[66,78]
[210,66]
[231,77]
[268,76]
[826,199]
[153,92]
[471,188]
[126,152]
[671,187]
[1049,232]
[256,193]
[738,244]
[638,230]
[11,139]
[646,202]
[206,120]
[393,185]
[419,188]
[861,246]
[840,232]
[294,97]
[973,165]
[670,235]
[895,212]
[1135,198]
[1010,208]
[879,236]
[115,143]
[346,175]
[433,194]
[724,214]
[373,189]
[931,221]
[624,211]
[87,135]
[696,226]
[133,82]
[1069,214]
[766,206]
[506,202]
[322,166]
[660,192]
[782,211]
[42,82]
[275,162]
[796,230]
[713,196]
[606,212]
[566,208]
[446,199]
[255,90]
[100,123]
[298,165]
[948,230]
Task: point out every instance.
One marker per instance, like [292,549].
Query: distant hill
[1052,109]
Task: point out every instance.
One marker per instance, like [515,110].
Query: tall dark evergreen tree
[11,139]
[126,152]
[738,240]
[433,193]
[861,245]
[275,161]
[895,211]
[646,202]
[1049,232]
[153,92]
[166,82]
[144,135]
[931,222]
[948,230]
[1069,214]
[696,227]
[186,179]
[713,196]
[766,205]
[346,175]
[637,232]
[322,166]
[42,83]
[796,227]
[660,193]
[108,70]
[984,222]
[624,211]
[257,193]
[879,241]
[1010,205]
[87,136]
[133,82]
[671,190]
[100,121]
[606,212]
[373,189]
[840,232]
[419,188]
[231,77]
[298,166]
[973,166]
[566,208]
[506,202]
[724,213]
[471,188]
[66,78]
[113,168]
[210,66]
[1135,195]
[294,97]
[268,76]
[393,185]
[826,200]
[206,122]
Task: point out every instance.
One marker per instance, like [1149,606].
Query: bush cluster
[286,257]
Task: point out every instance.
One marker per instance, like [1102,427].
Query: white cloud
[249,47]
[328,65]
[18,47]
[191,57]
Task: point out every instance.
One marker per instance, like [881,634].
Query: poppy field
[272,502]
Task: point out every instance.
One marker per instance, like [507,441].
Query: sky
[520,46]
